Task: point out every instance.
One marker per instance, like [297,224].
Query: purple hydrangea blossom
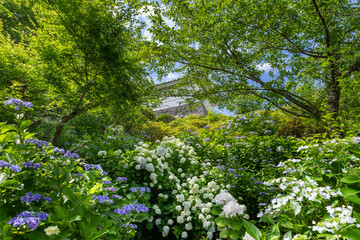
[30,164]
[125,210]
[37,165]
[3,163]
[110,189]
[37,142]
[103,199]
[88,166]
[31,219]
[30,197]
[120,179]
[18,104]
[141,189]
[32,222]
[116,196]
[79,175]
[106,182]
[131,225]
[15,168]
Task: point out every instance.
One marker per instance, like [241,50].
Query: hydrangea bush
[50,193]
[319,192]
[185,190]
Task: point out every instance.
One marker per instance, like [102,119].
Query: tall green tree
[84,56]
[309,47]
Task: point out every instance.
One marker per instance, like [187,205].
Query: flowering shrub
[184,190]
[49,192]
[314,201]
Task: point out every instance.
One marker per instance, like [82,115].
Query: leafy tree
[311,48]
[83,55]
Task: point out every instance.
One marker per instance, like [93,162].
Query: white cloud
[172,76]
[265,66]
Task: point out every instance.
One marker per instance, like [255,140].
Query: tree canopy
[74,56]
[301,56]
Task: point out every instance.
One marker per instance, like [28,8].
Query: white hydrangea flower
[52,230]
[223,197]
[158,221]
[160,151]
[170,222]
[232,208]
[150,167]
[153,176]
[180,198]
[102,154]
[117,152]
[187,205]
[184,234]
[180,219]
[188,226]
[165,231]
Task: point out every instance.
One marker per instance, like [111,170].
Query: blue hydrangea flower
[116,196]
[88,166]
[141,189]
[3,163]
[120,179]
[39,143]
[15,168]
[30,164]
[31,219]
[126,209]
[79,175]
[131,225]
[30,197]
[32,222]
[110,189]
[103,199]
[18,104]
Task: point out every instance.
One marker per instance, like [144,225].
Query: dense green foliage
[82,156]
[299,56]
[71,58]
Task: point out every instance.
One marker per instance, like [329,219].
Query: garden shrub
[301,127]
[185,192]
[318,192]
[165,118]
[216,117]
[231,182]
[157,130]
[149,114]
[49,193]
[107,148]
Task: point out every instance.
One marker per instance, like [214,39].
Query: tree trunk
[333,99]
[59,128]
[55,138]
